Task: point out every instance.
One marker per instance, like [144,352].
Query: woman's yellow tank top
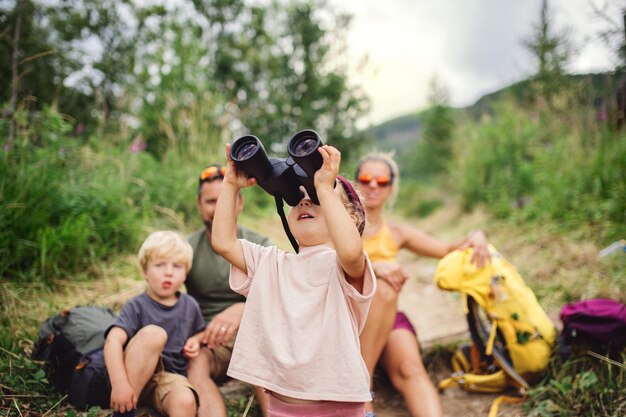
[381,246]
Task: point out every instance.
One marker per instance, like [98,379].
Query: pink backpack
[599,323]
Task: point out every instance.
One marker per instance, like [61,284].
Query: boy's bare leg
[142,355]
[180,402]
[211,401]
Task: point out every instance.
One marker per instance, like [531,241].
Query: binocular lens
[305,146]
[246,151]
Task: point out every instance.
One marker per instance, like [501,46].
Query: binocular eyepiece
[281,177]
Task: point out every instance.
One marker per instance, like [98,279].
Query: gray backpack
[67,338]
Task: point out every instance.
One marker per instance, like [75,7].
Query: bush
[70,205]
[540,164]
[495,161]
[415,198]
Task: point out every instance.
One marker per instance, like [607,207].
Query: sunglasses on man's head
[381,180]
[212,173]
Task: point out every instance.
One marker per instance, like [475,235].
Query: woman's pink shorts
[403,322]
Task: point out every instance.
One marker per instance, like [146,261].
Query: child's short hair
[165,244]
[353,202]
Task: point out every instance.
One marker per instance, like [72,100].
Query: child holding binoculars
[299,335]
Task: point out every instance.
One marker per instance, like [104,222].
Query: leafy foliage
[545,165]
[580,386]
[175,80]
[263,69]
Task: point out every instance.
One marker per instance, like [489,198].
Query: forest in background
[109,109]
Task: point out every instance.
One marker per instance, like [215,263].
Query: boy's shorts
[161,384]
[91,386]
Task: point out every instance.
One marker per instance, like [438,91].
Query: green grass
[584,385]
[536,165]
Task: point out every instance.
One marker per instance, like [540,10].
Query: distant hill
[398,133]
[402,133]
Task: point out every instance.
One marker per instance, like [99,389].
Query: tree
[173,95]
[274,69]
[59,64]
[552,52]
[433,152]
[614,35]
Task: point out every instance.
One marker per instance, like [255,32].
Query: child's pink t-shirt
[299,335]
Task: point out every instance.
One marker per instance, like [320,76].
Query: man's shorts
[220,359]
[90,385]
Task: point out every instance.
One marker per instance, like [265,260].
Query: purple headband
[353,197]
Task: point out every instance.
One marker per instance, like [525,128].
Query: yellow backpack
[512,335]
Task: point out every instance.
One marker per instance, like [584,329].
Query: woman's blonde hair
[165,244]
[387,158]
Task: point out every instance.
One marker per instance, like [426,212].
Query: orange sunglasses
[212,172]
[381,180]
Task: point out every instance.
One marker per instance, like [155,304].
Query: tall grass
[67,205]
[538,164]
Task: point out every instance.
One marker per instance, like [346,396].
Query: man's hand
[222,329]
[391,272]
[123,398]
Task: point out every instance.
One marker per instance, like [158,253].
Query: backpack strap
[492,338]
[495,405]
[490,383]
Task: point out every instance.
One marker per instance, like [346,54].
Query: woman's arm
[224,233]
[421,243]
[343,232]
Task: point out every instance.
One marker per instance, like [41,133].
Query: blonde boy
[147,349]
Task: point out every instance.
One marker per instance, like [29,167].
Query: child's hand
[327,174]
[123,397]
[191,348]
[234,176]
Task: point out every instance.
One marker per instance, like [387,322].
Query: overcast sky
[473,46]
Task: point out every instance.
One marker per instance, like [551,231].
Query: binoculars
[281,177]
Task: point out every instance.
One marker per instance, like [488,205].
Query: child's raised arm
[343,232]
[224,234]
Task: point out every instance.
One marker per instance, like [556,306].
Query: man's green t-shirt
[207,281]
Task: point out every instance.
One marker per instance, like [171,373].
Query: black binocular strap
[283,219]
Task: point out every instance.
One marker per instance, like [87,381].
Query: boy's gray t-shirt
[180,322]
